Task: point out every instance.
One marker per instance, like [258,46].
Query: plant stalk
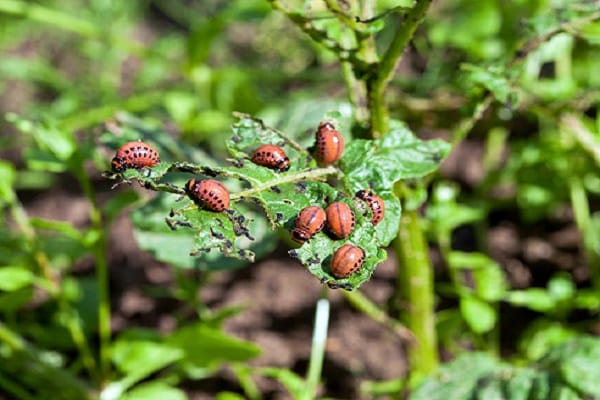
[384,71]
[583,219]
[416,293]
[100,251]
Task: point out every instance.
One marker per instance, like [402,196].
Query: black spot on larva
[228,244]
[275,189]
[293,253]
[278,216]
[236,139]
[288,201]
[242,252]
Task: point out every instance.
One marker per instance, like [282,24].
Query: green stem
[360,302]
[317,353]
[356,93]
[99,251]
[581,209]
[416,292]
[377,83]
[288,178]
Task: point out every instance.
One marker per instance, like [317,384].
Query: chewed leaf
[250,133]
[316,254]
[215,231]
[210,236]
[283,202]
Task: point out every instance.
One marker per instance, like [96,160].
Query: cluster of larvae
[210,194]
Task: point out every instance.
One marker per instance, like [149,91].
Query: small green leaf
[535,298]
[13,278]
[64,228]
[471,261]
[445,214]
[489,278]
[479,315]
[490,282]
[49,137]
[541,335]
[294,383]
[154,391]
[229,396]
[491,78]
[561,287]
[205,347]
[138,359]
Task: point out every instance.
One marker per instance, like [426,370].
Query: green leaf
[457,379]
[561,287]
[541,335]
[316,255]
[568,371]
[49,137]
[490,282]
[183,239]
[205,347]
[13,278]
[154,391]
[535,298]
[479,315]
[518,383]
[577,362]
[65,228]
[396,156]
[493,79]
[138,359]
[294,383]
[16,299]
[229,396]
[489,278]
[470,261]
[445,215]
